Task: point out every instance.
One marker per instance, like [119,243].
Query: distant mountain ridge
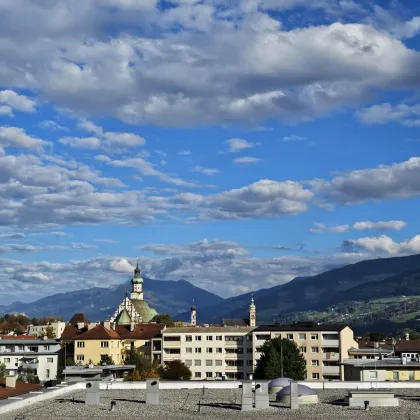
[99,303]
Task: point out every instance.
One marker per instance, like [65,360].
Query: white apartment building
[210,352]
[40,330]
[38,356]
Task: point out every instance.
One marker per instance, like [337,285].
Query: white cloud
[6,110]
[380,226]
[384,245]
[16,101]
[81,142]
[246,160]
[399,180]
[205,171]
[16,137]
[293,138]
[408,115]
[184,152]
[237,145]
[12,235]
[52,125]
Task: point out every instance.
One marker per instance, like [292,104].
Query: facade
[323,346]
[390,369]
[40,330]
[26,354]
[370,353]
[209,352]
[409,349]
[134,308]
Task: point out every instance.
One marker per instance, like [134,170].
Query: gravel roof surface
[216,404]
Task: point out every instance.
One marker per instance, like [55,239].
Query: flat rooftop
[216,404]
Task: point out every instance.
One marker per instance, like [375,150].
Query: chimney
[407,336]
[132,326]
[91,325]
[11,381]
[107,325]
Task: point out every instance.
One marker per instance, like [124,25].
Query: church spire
[193,315]
[252,313]
[137,284]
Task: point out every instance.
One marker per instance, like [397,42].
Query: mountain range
[362,282]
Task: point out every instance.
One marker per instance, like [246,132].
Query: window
[219,338]
[209,338]
[315,376]
[188,350]
[209,350]
[209,374]
[197,375]
[46,347]
[395,375]
[314,336]
[197,362]
[262,337]
[218,374]
[289,336]
[218,362]
[233,338]
[219,350]
[302,336]
[198,350]
[198,338]
[234,362]
[373,374]
[188,338]
[80,344]
[104,344]
[209,362]
[315,362]
[80,357]
[315,349]
[302,349]
[172,351]
[50,360]
[249,350]
[47,373]
[33,348]
[20,348]
[172,338]
[7,360]
[188,362]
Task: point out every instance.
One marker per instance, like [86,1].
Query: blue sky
[233,144]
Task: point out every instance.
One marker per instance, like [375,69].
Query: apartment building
[29,354]
[40,330]
[324,346]
[209,352]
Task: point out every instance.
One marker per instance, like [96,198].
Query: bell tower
[137,285]
[252,314]
[193,321]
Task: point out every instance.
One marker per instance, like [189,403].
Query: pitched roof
[76,318]
[145,331]
[143,309]
[99,333]
[407,345]
[18,337]
[302,326]
[235,322]
[221,330]
[69,332]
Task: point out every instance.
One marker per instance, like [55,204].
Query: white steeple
[193,321]
[252,313]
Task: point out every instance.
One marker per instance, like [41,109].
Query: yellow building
[96,343]
[389,369]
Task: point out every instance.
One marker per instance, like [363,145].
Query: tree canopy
[107,359]
[2,370]
[164,319]
[280,357]
[175,370]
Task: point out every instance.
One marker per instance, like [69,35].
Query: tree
[280,357]
[49,332]
[2,370]
[163,319]
[175,370]
[70,361]
[107,359]
[374,336]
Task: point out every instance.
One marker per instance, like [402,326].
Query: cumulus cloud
[245,160]
[380,226]
[408,115]
[205,171]
[13,101]
[6,110]
[52,125]
[237,145]
[399,180]
[81,143]
[17,138]
[12,235]
[383,245]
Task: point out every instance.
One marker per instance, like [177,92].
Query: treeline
[25,321]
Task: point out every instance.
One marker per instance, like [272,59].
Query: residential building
[371,352]
[96,373]
[29,354]
[324,346]
[408,348]
[389,369]
[41,330]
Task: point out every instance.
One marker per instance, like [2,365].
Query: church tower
[137,285]
[193,322]
[252,314]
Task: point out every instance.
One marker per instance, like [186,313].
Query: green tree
[414,335]
[2,370]
[107,359]
[280,357]
[49,332]
[175,370]
[34,321]
[374,336]
[163,319]
[70,361]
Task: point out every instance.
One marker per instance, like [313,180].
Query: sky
[235,144]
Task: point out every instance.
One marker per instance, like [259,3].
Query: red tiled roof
[18,337]
[76,318]
[99,333]
[69,332]
[407,345]
[140,332]
[21,388]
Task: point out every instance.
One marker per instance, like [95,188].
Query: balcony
[172,343]
[330,343]
[330,356]
[331,370]
[31,365]
[234,355]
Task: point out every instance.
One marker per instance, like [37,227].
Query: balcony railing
[330,343]
[30,365]
[330,356]
[331,370]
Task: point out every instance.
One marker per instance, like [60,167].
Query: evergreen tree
[280,357]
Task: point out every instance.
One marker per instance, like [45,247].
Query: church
[134,309]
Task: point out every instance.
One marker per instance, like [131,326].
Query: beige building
[210,352]
[40,330]
[324,346]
